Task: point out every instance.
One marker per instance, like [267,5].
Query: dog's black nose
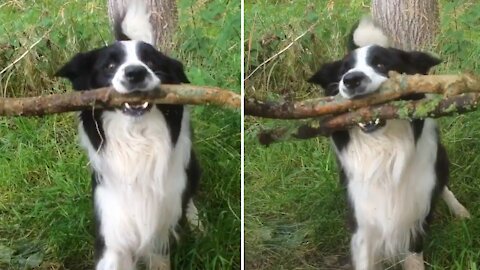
[135,74]
[354,79]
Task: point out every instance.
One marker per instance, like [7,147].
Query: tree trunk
[410,24]
[163,17]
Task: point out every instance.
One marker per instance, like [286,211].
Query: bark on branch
[107,98]
[397,86]
[419,109]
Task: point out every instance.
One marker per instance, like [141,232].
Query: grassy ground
[45,204]
[294,206]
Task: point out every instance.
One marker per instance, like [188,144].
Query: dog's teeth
[145,105]
[127,105]
[377,121]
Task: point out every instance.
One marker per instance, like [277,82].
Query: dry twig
[107,97]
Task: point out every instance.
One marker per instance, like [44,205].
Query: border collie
[144,169]
[393,170]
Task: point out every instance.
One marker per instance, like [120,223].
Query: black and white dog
[393,170]
[144,169]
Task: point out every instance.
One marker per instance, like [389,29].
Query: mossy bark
[420,109]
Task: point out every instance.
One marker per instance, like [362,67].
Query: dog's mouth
[371,126]
[136,109]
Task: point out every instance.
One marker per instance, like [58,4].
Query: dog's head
[363,70]
[128,66]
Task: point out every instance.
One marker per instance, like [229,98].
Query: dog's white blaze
[390,186]
[138,197]
[361,65]
[132,59]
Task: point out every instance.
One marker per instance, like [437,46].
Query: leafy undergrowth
[295,209]
[45,202]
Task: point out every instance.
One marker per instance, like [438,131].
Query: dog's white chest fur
[142,176]
[390,180]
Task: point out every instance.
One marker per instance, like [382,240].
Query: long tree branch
[419,109]
[107,98]
[397,86]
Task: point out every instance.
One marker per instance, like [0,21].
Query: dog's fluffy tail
[367,33]
[135,23]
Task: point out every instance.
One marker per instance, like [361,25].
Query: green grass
[45,202]
[295,209]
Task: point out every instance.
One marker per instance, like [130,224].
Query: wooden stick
[107,97]
[419,109]
[396,87]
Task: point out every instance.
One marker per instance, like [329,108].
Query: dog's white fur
[389,184]
[138,195]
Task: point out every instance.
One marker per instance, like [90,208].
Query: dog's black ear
[78,69]
[418,62]
[328,77]
[177,72]
[168,69]
[423,62]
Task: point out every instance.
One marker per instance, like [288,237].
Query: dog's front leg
[158,256]
[414,261]
[192,217]
[112,260]
[158,262]
[362,253]
[454,205]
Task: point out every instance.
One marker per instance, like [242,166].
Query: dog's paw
[192,218]
[461,212]
[457,209]
[414,261]
[196,225]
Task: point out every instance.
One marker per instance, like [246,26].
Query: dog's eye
[380,66]
[149,64]
[110,66]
